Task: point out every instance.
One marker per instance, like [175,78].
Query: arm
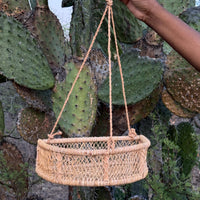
[185,40]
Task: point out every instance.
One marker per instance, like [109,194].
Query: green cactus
[85,20]
[80,27]
[37,99]
[141,77]
[99,66]
[13,173]
[2,125]
[177,6]
[175,107]
[192,17]
[18,9]
[136,111]
[184,137]
[21,59]
[128,28]
[187,142]
[183,84]
[12,103]
[33,124]
[79,114]
[45,26]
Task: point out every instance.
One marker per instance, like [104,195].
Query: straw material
[93,161]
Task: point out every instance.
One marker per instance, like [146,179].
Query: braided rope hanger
[108,9]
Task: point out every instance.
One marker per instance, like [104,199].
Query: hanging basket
[94,161]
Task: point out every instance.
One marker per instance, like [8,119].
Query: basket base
[87,183]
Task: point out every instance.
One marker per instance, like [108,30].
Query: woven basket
[93,161]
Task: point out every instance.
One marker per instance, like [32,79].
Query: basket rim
[43,143]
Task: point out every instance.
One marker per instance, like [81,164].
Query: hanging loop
[109,2]
[51,136]
[110,18]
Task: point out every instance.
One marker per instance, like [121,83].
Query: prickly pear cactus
[2,126]
[141,76]
[18,9]
[80,111]
[177,6]
[12,103]
[137,111]
[37,99]
[128,28]
[192,17]
[47,29]
[13,172]
[85,20]
[184,86]
[175,107]
[99,65]
[21,59]
[33,124]
[80,17]
[187,143]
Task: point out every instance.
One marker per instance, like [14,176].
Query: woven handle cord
[108,8]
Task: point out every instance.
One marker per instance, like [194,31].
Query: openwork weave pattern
[93,161]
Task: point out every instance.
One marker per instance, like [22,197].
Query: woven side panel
[91,170]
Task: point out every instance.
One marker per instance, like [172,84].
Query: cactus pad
[136,111]
[47,29]
[141,77]
[99,66]
[187,142]
[13,170]
[12,103]
[128,28]
[37,99]
[80,111]
[21,59]
[175,107]
[15,8]
[177,6]
[184,86]
[85,20]
[33,124]
[192,17]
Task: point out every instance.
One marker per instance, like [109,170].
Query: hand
[140,8]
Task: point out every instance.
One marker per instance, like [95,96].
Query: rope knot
[132,133]
[109,2]
[51,136]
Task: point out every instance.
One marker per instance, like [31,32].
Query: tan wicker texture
[91,162]
[95,161]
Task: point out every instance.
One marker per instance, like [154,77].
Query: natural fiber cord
[94,161]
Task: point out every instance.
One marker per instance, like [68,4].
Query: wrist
[155,14]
